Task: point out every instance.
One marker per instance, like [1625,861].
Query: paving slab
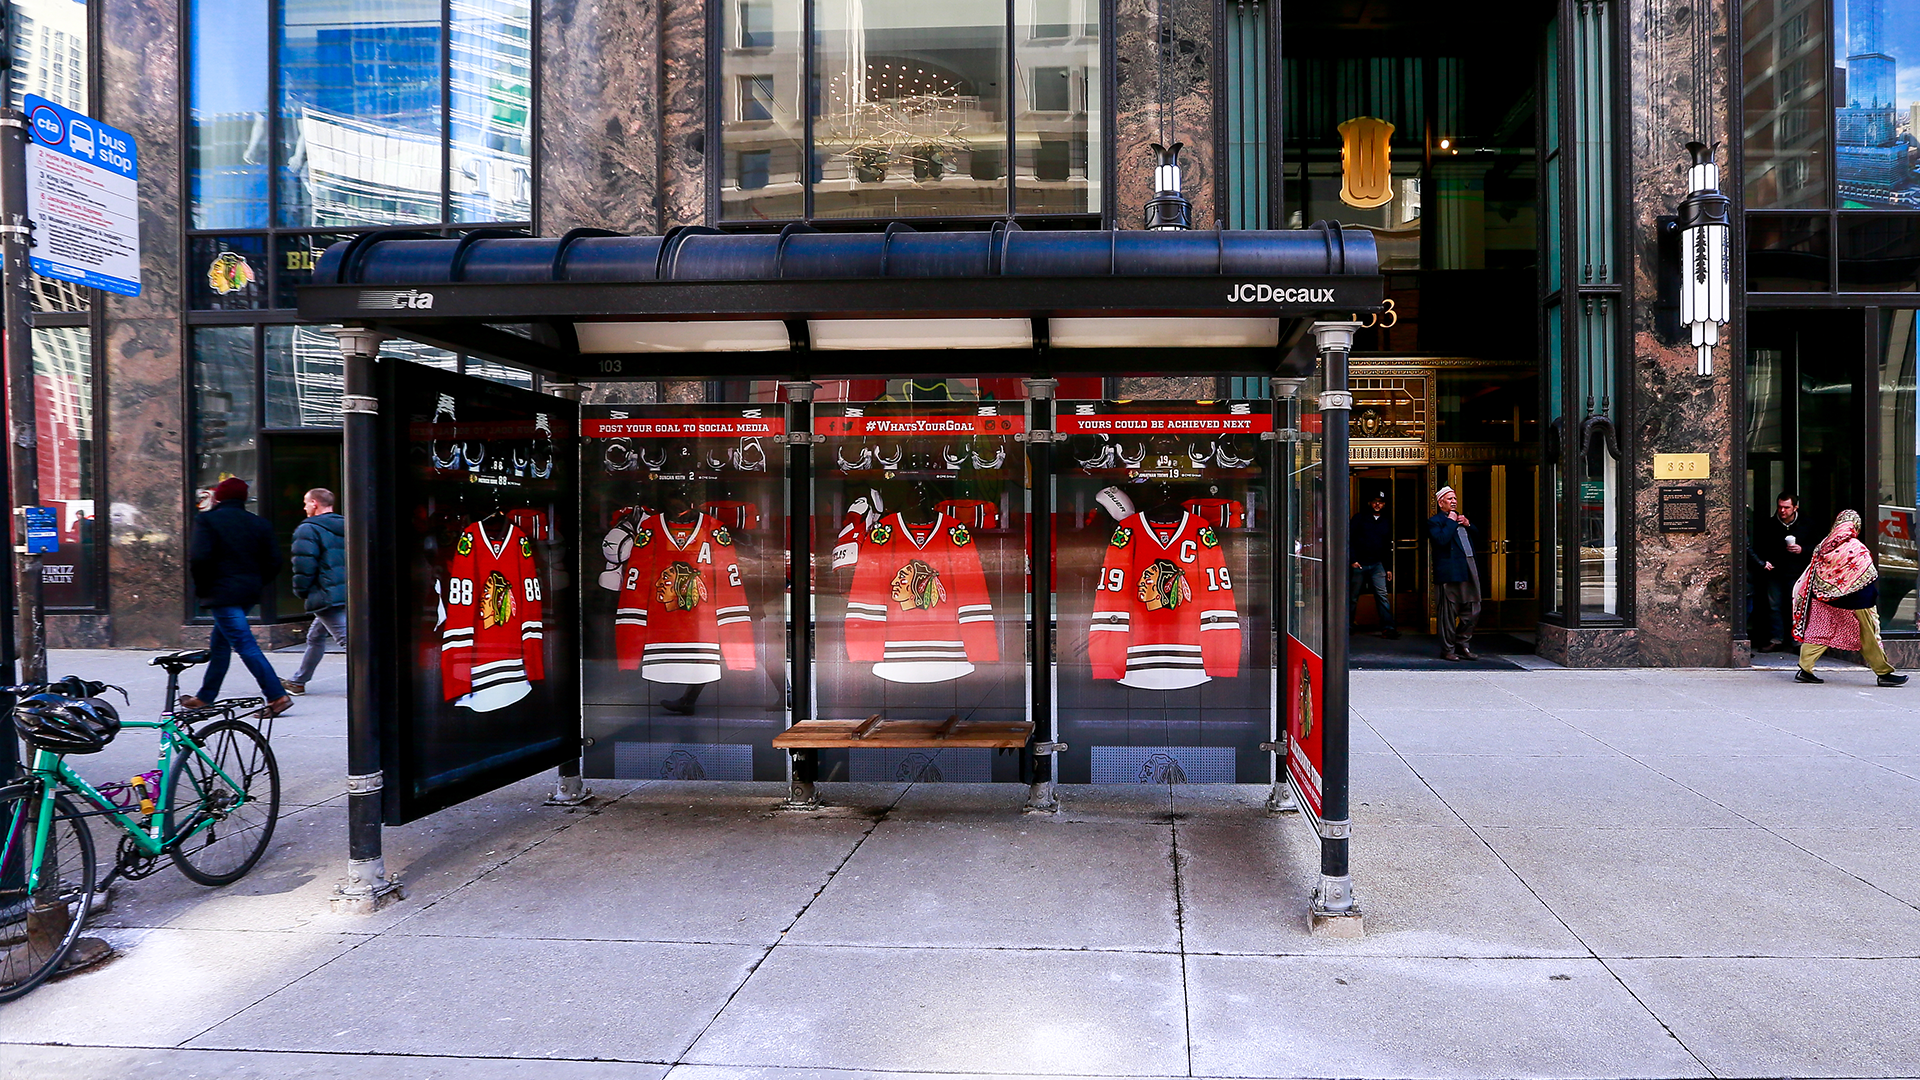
[735,1072]
[93,1063]
[190,980]
[1601,691]
[1487,733]
[1886,858]
[542,998]
[1679,732]
[1396,1017]
[1787,1017]
[1425,891]
[1704,892]
[1816,786]
[1435,691]
[986,884]
[1564,792]
[1148,805]
[1385,790]
[1018,1011]
[653,871]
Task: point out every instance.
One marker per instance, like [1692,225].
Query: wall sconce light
[1706,288]
[1168,209]
[1366,162]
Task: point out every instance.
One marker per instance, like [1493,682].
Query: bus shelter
[912,535]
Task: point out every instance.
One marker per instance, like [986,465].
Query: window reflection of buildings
[1876,157]
[1786,103]
[49,52]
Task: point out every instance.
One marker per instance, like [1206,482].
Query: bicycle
[210,804]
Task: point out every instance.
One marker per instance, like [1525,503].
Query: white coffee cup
[1790,539]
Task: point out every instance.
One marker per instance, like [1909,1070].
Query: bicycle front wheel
[221,808]
[39,926]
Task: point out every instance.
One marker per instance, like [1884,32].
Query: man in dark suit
[1454,571]
[233,558]
[1783,544]
[1370,554]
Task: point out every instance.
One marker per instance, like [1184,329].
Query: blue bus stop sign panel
[43,532]
[82,199]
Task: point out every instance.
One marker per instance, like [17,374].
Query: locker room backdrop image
[920,586]
[1164,584]
[684,603]
[484,509]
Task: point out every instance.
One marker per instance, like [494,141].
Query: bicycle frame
[53,774]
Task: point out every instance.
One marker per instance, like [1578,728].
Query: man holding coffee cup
[1781,552]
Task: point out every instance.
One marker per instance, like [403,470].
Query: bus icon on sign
[80,137]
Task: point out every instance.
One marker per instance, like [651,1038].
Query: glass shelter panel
[1899,561]
[1301,677]
[1163,586]
[920,577]
[683,548]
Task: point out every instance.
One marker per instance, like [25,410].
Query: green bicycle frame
[54,773]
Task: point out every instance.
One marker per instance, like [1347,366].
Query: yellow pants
[1870,650]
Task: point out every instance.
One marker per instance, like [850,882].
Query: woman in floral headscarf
[1834,603]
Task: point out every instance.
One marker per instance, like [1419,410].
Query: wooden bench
[879,733]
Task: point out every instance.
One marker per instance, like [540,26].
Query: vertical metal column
[568,789]
[1038,757]
[367,888]
[1286,433]
[803,792]
[23,440]
[1334,908]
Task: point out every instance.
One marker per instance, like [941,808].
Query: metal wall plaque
[1683,509]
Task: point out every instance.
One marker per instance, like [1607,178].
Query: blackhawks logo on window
[880,534]
[680,588]
[1122,536]
[961,537]
[721,536]
[1164,585]
[917,585]
[1207,537]
[496,601]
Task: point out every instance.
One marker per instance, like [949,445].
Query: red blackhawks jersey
[682,610]
[1163,613]
[919,609]
[492,642]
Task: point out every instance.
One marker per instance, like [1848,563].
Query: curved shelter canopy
[595,304]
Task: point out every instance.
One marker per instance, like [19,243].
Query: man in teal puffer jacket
[320,578]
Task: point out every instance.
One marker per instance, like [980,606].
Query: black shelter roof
[695,301]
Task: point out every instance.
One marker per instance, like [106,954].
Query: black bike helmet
[64,725]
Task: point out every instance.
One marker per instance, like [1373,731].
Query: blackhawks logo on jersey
[465,546]
[526,548]
[496,601]
[680,588]
[917,585]
[961,537]
[1164,585]
[721,536]
[1207,537]
[880,534]
[1122,536]
[642,537]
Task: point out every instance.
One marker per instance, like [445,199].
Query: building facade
[1531,152]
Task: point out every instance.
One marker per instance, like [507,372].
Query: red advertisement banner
[910,426]
[1165,423]
[1300,684]
[697,427]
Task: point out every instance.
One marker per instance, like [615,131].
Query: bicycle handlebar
[72,686]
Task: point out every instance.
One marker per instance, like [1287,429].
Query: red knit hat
[231,488]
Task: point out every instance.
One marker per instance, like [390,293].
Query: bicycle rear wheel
[38,930]
[224,818]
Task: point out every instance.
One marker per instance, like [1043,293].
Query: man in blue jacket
[1454,571]
[233,559]
[320,578]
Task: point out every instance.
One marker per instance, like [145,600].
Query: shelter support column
[29,630]
[804,773]
[1038,757]
[367,888]
[1334,910]
[568,789]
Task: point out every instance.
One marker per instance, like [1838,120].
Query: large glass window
[226,432]
[63,385]
[49,51]
[903,110]
[1786,111]
[1899,558]
[491,94]
[1877,70]
[228,141]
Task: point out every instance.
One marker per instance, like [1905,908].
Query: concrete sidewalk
[1565,874]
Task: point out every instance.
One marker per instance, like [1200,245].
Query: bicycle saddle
[181,661]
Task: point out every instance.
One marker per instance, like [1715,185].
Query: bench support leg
[802,790]
[569,789]
[1036,771]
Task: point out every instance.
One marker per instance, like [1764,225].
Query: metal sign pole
[23,451]
[1335,911]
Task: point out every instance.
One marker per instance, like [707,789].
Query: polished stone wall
[600,116]
[1163,87]
[145,416]
[1682,582]
[683,120]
